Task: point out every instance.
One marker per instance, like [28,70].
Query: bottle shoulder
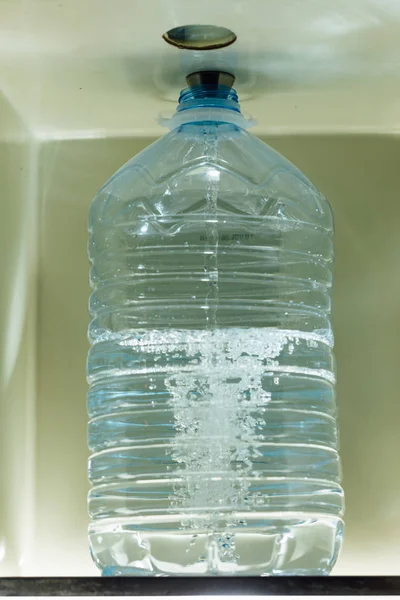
[171,176]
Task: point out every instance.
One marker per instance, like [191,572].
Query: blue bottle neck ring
[208,96]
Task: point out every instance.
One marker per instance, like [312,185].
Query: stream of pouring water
[207,406]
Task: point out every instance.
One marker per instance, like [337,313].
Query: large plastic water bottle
[212,428]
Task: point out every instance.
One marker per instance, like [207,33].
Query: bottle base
[266,546]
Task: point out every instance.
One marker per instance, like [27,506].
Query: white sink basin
[82,85]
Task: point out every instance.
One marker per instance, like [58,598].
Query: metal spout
[210,78]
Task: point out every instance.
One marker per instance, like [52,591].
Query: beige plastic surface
[82,83]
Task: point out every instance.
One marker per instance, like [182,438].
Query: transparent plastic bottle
[212,414]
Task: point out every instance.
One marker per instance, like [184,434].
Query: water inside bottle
[242,434]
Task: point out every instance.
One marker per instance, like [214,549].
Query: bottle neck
[207,103]
[208,96]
